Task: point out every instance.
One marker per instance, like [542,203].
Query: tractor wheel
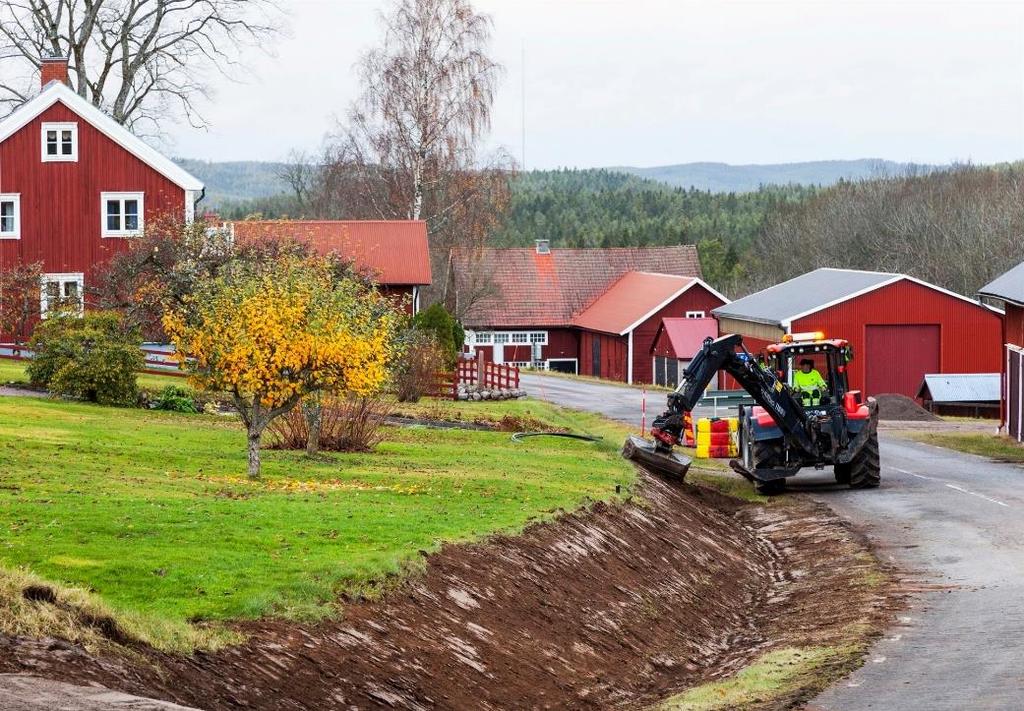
[866,467]
[764,454]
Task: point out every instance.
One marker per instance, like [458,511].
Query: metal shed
[900,327]
[968,394]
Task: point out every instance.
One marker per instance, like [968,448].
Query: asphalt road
[955,522]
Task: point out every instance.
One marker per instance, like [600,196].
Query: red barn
[560,309]
[75,186]
[393,253]
[618,329]
[900,328]
[1009,289]
[674,345]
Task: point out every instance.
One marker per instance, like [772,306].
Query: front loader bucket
[644,453]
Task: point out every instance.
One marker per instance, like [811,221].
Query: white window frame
[62,279]
[696,314]
[122,198]
[483,338]
[502,338]
[59,127]
[16,199]
[542,337]
[520,338]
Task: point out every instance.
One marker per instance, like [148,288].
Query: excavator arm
[767,391]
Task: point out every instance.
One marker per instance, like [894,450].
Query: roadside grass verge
[996,447]
[152,514]
[776,674]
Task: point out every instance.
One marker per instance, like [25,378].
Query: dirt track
[613,608]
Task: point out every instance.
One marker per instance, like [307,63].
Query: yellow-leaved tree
[270,334]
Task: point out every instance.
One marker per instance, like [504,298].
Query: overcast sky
[648,82]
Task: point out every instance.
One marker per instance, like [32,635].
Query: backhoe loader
[786,430]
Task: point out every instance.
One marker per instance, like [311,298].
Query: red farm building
[395,254]
[75,186]
[1009,290]
[586,311]
[675,342]
[900,328]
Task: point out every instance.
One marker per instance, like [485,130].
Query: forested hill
[722,177]
[603,208]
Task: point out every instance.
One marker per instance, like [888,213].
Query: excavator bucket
[646,455]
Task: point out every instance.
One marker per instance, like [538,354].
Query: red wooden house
[586,311]
[1009,289]
[393,253]
[75,185]
[675,343]
[900,328]
[617,331]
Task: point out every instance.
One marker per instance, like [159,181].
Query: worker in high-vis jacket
[808,382]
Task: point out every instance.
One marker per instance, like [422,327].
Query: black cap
[807,361]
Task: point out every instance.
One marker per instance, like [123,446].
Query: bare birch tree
[409,149]
[138,60]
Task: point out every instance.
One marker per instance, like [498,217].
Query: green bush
[175,399]
[93,357]
[447,332]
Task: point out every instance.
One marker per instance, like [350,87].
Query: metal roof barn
[1009,288]
[900,327]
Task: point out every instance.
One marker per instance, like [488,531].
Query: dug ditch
[618,606]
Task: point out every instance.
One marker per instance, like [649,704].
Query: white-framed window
[520,337]
[60,142]
[121,214]
[62,290]
[540,337]
[500,338]
[695,314]
[10,216]
[483,338]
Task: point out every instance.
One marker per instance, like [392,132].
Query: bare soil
[614,607]
[895,407]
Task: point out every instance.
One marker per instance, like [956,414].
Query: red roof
[686,335]
[631,300]
[395,252]
[519,287]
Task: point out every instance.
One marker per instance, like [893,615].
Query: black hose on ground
[520,436]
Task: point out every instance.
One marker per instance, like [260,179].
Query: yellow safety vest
[810,386]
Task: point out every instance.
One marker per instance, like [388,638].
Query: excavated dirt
[612,608]
[900,408]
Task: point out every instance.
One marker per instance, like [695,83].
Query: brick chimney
[53,69]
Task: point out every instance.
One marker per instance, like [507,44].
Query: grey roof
[962,387]
[1008,287]
[806,293]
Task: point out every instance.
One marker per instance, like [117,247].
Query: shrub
[447,332]
[93,357]
[175,399]
[417,369]
[348,424]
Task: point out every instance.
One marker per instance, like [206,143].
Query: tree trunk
[254,454]
[313,410]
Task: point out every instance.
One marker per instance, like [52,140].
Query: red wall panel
[970,334]
[909,352]
[1014,325]
[60,202]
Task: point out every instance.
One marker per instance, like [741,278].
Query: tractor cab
[827,357]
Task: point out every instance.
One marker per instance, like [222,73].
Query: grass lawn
[997,447]
[152,511]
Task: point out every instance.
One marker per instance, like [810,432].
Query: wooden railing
[483,374]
